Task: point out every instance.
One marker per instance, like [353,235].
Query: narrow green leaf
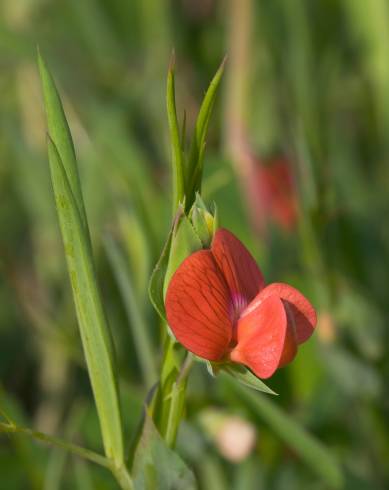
[178,172]
[60,134]
[94,330]
[246,377]
[156,466]
[207,105]
[196,155]
[135,316]
[311,451]
[183,133]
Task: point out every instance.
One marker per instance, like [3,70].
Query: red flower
[277,193]
[218,307]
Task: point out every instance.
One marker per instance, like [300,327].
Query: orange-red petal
[301,314]
[261,337]
[198,306]
[243,277]
[290,345]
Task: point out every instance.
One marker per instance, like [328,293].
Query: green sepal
[201,227]
[157,279]
[199,202]
[203,221]
[211,369]
[245,377]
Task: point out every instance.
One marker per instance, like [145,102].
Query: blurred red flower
[277,193]
[219,308]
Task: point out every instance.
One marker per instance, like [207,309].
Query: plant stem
[185,369]
[120,473]
[123,477]
[56,441]
[177,402]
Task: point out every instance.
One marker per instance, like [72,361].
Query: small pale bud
[236,439]
[233,436]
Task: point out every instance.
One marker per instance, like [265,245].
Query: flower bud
[204,223]
[233,436]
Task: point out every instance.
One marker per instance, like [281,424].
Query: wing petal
[261,337]
[243,277]
[300,311]
[198,306]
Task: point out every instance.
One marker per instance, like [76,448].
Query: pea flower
[218,307]
[277,193]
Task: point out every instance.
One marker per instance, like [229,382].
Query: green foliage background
[316,86]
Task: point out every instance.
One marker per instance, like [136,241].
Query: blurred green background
[307,85]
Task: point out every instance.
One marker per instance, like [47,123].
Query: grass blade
[94,330]
[60,134]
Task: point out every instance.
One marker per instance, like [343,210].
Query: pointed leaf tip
[178,168]
[59,130]
[223,63]
[197,149]
[245,377]
[172,62]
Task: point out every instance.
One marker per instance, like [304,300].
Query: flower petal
[290,344]
[198,306]
[243,277]
[300,311]
[261,337]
